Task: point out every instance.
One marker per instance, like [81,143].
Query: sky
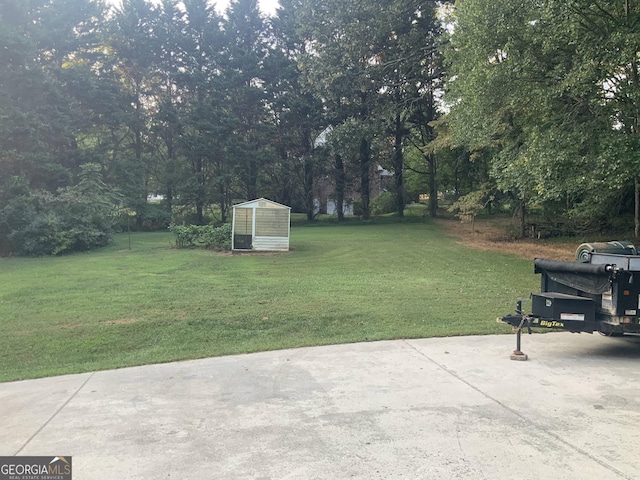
[267,7]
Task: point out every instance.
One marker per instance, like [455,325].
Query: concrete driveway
[443,408]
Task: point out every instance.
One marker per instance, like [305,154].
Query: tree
[342,67]
[381,72]
[134,52]
[168,119]
[412,68]
[75,218]
[244,77]
[609,31]
[551,89]
[49,56]
[41,112]
[297,114]
[470,205]
[204,108]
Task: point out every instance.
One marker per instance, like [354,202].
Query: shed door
[243,228]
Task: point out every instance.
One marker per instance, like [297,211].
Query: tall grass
[340,283]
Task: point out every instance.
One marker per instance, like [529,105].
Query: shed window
[244,218]
[272,222]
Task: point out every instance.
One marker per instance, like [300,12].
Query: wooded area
[535,105]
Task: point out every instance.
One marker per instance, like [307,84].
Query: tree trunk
[138,151]
[433,187]
[398,166]
[199,214]
[365,190]
[340,184]
[523,218]
[308,187]
[252,180]
[200,192]
[636,213]
[635,131]
[364,159]
[224,209]
[168,198]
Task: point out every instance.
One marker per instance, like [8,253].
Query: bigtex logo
[35,468]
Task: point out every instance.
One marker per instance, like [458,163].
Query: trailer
[599,293]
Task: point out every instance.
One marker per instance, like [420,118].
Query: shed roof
[261,203]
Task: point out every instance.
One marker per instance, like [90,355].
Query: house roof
[260,203]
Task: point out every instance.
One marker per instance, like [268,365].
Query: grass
[341,283]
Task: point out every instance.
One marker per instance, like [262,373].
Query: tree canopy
[204,109]
[549,91]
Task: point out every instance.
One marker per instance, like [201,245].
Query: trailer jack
[525,321]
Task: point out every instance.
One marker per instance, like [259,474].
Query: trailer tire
[611,334]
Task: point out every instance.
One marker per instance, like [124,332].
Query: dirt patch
[493,235]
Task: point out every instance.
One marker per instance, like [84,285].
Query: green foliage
[150,217]
[175,97]
[206,236]
[376,75]
[76,218]
[155,217]
[357,207]
[383,203]
[186,235]
[549,92]
[469,205]
[218,238]
[188,216]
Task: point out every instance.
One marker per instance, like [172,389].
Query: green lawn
[340,283]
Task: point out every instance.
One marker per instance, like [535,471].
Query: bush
[155,217]
[186,235]
[76,218]
[207,236]
[357,207]
[217,238]
[383,203]
[149,218]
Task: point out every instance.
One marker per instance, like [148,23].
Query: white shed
[261,225]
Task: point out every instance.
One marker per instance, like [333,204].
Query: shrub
[383,203]
[155,217]
[217,238]
[186,235]
[207,236]
[76,218]
[357,207]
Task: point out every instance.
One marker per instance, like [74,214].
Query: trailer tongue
[602,295]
